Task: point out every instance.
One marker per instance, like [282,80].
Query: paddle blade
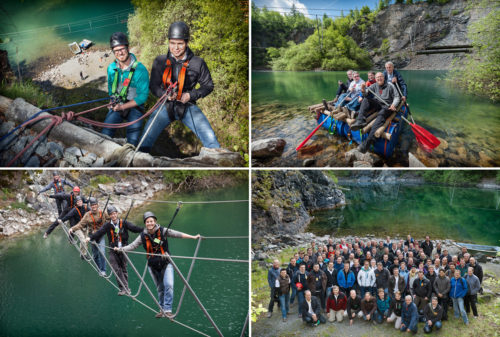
[425,139]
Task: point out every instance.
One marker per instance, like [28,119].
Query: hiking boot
[269,314]
[358,124]
[159,315]
[121,293]
[169,314]
[284,319]
[45,235]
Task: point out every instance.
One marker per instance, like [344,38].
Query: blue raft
[381,145]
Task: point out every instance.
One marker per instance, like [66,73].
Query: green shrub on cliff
[219,34]
[480,72]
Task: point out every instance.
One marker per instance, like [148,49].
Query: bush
[29,91]
[101,179]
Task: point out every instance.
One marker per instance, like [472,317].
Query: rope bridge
[142,283]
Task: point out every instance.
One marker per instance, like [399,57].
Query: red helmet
[298,285]
[76,189]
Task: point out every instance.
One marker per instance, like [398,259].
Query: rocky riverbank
[32,211]
[282,200]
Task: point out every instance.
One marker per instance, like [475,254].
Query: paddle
[425,139]
[316,129]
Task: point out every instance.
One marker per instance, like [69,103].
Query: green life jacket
[126,83]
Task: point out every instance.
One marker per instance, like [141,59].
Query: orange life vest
[167,76]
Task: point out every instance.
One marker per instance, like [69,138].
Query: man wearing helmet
[68,199]
[90,223]
[182,66]
[154,240]
[117,231]
[58,186]
[74,216]
[128,83]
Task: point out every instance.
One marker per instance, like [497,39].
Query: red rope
[70,115]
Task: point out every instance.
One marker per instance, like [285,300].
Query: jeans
[329,291]
[365,290]
[301,298]
[294,293]
[354,104]
[458,308]
[413,328]
[98,253]
[428,328]
[193,118]
[341,101]
[285,304]
[165,286]
[379,316]
[133,131]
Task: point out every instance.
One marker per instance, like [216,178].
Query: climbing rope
[69,116]
[81,247]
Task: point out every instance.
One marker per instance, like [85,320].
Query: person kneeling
[433,313]
[383,303]
[409,316]
[337,302]
[395,310]
[368,306]
[311,310]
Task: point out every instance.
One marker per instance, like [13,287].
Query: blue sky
[313,7]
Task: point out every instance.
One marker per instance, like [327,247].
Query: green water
[462,214]
[469,124]
[71,20]
[46,290]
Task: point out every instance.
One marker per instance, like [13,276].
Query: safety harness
[59,186]
[95,223]
[158,244]
[119,234]
[167,76]
[122,96]
[80,213]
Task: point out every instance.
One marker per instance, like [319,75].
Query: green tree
[480,72]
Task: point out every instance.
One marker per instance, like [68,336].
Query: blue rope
[56,108]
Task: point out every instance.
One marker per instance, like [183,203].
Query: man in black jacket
[182,66]
[427,246]
[311,310]
[74,216]
[117,230]
[422,288]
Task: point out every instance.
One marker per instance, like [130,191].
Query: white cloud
[283,4]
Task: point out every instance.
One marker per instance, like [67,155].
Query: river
[39,24]
[470,125]
[461,214]
[47,290]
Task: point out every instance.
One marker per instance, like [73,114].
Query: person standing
[473,284]
[154,239]
[396,283]
[382,277]
[128,83]
[442,289]
[458,290]
[272,275]
[74,216]
[345,279]
[393,76]
[422,290]
[182,66]
[283,285]
[300,281]
[427,246]
[117,232]
[316,283]
[58,186]
[291,269]
[366,279]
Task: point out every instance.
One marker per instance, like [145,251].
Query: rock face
[282,200]
[409,28]
[271,147]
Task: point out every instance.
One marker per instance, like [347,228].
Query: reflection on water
[47,290]
[469,126]
[463,214]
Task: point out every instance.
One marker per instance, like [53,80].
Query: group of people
[383,93]
[403,282]
[129,86]
[90,224]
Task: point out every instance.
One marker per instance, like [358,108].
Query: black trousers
[320,295]
[342,88]
[368,104]
[443,302]
[471,301]
[308,319]
[119,264]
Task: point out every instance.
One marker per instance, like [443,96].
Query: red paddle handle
[310,135]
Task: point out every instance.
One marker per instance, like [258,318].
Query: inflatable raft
[383,145]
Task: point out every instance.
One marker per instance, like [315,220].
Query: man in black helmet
[117,231]
[154,240]
[74,215]
[182,66]
[58,186]
[128,83]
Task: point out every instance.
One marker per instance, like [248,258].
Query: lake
[47,290]
[470,125]
[461,214]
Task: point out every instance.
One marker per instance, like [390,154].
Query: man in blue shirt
[128,85]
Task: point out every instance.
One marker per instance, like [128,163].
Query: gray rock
[55,149]
[73,151]
[70,158]
[20,144]
[362,163]
[87,160]
[33,162]
[123,188]
[42,149]
[261,256]
[99,162]
[219,157]
[480,257]
[413,161]
[5,127]
[270,147]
